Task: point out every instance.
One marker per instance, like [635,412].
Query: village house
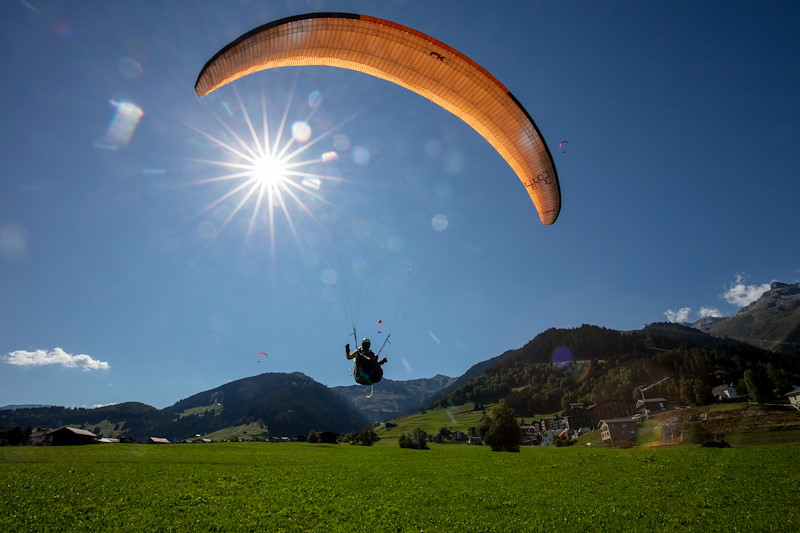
[157,440]
[38,436]
[69,436]
[546,438]
[553,423]
[650,406]
[579,415]
[618,429]
[724,392]
[607,410]
[528,434]
[794,398]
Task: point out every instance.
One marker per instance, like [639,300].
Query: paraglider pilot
[367,369]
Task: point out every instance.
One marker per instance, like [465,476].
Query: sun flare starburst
[269,173]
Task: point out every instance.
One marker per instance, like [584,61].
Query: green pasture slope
[324,488]
[459,418]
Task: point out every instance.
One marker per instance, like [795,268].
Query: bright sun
[268,171]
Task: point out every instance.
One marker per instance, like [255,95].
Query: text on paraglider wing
[544,177]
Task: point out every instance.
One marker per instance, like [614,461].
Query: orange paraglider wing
[408,58]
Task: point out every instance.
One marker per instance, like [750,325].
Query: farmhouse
[650,406]
[528,433]
[606,410]
[724,392]
[794,398]
[579,415]
[157,440]
[38,436]
[553,423]
[618,429]
[548,436]
[69,436]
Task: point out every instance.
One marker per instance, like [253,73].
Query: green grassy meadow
[318,487]
[460,418]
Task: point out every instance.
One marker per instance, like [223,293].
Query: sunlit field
[317,487]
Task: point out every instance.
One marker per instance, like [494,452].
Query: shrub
[716,444]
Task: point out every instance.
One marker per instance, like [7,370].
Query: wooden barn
[69,436]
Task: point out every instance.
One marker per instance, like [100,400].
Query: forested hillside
[285,404]
[593,364]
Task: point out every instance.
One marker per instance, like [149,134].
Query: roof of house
[795,392]
[76,431]
[611,421]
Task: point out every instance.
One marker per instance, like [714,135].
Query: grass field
[460,418]
[308,487]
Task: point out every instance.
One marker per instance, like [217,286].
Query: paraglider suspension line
[385,342]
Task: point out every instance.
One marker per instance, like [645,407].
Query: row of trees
[365,437]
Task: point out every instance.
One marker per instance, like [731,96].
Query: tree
[758,387]
[416,439]
[702,392]
[503,433]
[780,378]
[687,391]
[367,436]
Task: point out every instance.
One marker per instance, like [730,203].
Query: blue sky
[124,277]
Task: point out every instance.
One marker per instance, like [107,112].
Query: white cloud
[706,312]
[56,356]
[681,315]
[741,294]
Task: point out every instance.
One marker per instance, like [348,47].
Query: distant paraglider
[561,145]
[261,353]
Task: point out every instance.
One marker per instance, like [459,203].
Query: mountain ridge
[586,363]
[771,322]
